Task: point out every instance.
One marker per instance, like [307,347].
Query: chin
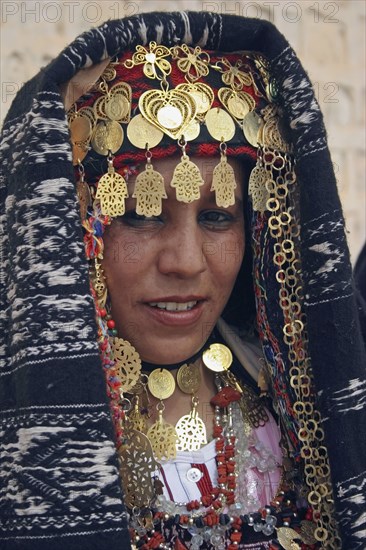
[170,353]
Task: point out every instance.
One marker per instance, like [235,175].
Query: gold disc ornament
[189,378]
[161,383]
[217,358]
[252,126]
[220,124]
[108,136]
[141,133]
[127,363]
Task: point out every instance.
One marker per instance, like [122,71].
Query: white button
[194,475]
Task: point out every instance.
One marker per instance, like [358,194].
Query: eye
[216,218]
[137,220]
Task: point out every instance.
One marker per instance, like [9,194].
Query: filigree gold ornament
[223,181]
[191,430]
[112,192]
[271,133]
[137,464]
[257,187]
[169,110]
[193,62]
[149,191]
[201,93]
[153,59]
[217,358]
[107,137]
[219,124]
[141,133]
[127,363]
[187,179]
[163,437]
[233,76]
[238,104]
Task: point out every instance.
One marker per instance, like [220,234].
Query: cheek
[227,258]
[121,257]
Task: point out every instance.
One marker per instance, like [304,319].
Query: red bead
[103,312]
[111,324]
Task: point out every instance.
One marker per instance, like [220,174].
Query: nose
[182,251]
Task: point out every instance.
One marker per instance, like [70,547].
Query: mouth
[176,311]
[174,306]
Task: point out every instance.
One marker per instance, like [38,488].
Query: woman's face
[170,277]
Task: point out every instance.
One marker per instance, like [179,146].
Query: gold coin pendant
[161,383]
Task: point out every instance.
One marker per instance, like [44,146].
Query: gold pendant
[191,430]
[223,183]
[161,383]
[142,134]
[163,438]
[84,196]
[238,104]
[81,124]
[149,192]
[170,111]
[189,378]
[136,419]
[220,124]
[187,180]
[137,464]
[99,283]
[257,188]
[217,358]
[108,137]
[112,192]
[127,363]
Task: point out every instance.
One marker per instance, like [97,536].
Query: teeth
[174,306]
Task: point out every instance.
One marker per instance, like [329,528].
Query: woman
[164,142]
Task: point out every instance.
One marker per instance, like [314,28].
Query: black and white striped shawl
[59,484]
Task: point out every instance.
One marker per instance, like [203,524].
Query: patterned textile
[59,484]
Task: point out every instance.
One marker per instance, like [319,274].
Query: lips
[175,310]
[174,306]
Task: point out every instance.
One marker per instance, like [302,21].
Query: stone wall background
[328,36]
